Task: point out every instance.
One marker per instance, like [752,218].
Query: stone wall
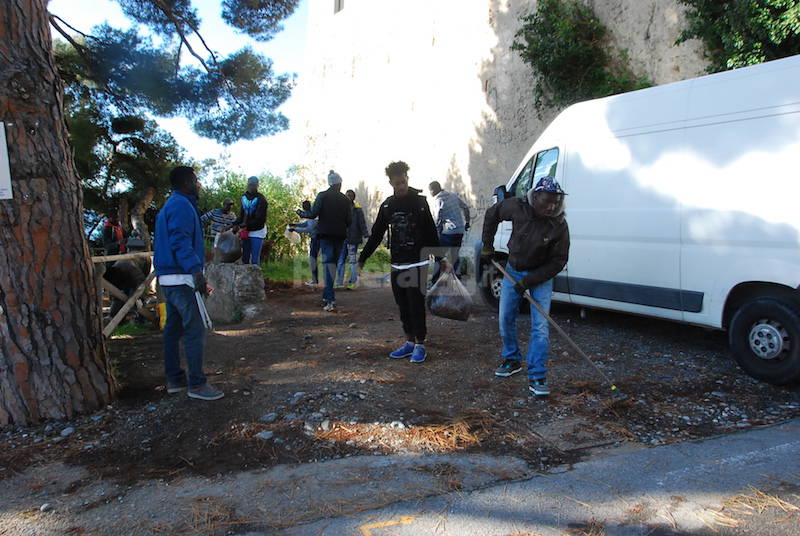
[435,83]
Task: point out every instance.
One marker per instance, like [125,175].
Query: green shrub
[284,197]
[737,33]
[568,48]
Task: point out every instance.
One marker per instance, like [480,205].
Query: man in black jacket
[334,212]
[253,220]
[408,219]
[538,250]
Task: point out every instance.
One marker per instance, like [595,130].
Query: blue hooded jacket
[179,247]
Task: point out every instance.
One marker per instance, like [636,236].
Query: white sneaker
[310,283]
[330,307]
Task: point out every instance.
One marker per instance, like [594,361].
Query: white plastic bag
[449,298]
[292,236]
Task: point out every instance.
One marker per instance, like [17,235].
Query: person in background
[221,218]
[253,222]
[407,218]
[538,250]
[309,226]
[335,213]
[113,235]
[178,260]
[356,233]
[451,217]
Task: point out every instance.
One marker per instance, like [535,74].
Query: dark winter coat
[334,211]
[410,225]
[358,229]
[538,245]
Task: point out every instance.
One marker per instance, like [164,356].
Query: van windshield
[545,165]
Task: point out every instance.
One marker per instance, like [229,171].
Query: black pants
[408,289]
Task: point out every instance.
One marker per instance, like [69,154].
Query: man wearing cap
[253,222]
[221,218]
[538,250]
[334,212]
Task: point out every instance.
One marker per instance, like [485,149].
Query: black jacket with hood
[410,225]
[538,245]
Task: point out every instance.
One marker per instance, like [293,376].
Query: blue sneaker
[404,351]
[419,354]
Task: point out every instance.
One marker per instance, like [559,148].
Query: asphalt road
[676,490]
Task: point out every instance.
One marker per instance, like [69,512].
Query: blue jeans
[251,250]
[331,249]
[540,332]
[183,322]
[350,253]
[313,253]
[451,244]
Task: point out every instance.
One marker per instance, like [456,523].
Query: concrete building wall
[435,83]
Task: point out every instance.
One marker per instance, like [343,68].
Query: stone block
[238,292]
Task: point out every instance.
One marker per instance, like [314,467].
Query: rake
[560,331]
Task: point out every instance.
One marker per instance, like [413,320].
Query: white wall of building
[434,83]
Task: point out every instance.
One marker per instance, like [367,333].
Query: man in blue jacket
[178,260]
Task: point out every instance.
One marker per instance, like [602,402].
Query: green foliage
[284,197]
[297,269]
[737,33]
[568,48]
[118,156]
[129,73]
[127,331]
[258,18]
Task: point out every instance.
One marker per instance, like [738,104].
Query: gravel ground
[303,385]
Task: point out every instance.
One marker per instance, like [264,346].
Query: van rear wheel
[764,335]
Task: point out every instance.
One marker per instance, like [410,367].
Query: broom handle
[552,322]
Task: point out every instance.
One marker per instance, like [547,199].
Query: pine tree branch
[71,27]
[167,11]
[196,31]
[80,49]
[176,21]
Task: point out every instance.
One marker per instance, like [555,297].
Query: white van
[683,203]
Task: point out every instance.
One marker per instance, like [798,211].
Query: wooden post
[109,329]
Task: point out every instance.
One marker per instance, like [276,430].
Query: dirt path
[318,386]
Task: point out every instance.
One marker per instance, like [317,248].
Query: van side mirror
[500,193]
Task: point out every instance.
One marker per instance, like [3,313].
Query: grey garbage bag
[227,247]
[449,298]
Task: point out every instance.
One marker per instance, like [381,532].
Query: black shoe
[508,367]
[539,387]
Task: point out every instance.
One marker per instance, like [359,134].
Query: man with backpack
[407,218]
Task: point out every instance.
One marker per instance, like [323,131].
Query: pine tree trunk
[137,215]
[52,354]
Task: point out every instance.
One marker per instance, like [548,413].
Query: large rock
[238,291]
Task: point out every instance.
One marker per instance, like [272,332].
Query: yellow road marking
[366,530]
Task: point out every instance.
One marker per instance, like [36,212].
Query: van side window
[545,164]
[523,179]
